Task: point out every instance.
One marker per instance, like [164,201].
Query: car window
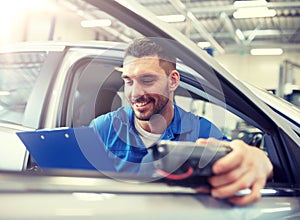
[18,74]
[207,100]
[233,126]
[199,96]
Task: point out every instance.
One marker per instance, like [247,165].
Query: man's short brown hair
[143,47]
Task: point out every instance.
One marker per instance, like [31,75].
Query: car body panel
[14,157]
[92,197]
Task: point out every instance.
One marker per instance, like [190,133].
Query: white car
[52,85]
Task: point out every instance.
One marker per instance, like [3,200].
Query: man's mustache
[142,98]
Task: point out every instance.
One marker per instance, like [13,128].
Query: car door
[281,140]
[227,88]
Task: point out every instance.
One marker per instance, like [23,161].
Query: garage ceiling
[213,22]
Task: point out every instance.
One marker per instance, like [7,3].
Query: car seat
[87,107]
[107,101]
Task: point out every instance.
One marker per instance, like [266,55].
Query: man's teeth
[140,104]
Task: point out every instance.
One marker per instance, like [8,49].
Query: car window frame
[38,101]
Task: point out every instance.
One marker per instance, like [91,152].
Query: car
[54,85]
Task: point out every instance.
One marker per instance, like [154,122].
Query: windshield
[278,104]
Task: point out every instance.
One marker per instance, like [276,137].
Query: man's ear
[174,78]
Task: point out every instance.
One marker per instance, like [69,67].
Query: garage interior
[223,28]
[57,74]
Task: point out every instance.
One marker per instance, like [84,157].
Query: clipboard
[67,148]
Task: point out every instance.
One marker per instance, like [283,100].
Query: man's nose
[137,90]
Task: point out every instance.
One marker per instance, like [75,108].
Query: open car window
[230,124]
[96,88]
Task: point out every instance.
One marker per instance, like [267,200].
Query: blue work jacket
[125,147]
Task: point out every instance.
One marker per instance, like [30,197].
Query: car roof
[59,45]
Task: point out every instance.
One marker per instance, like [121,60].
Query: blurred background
[257,40]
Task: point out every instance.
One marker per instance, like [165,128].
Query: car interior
[95,89]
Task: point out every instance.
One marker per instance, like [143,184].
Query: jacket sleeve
[209,130]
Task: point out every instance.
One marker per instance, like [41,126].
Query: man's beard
[158,105]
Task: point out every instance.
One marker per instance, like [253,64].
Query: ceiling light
[96,23]
[4,93]
[254,12]
[249,3]
[204,44]
[172,18]
[266,51]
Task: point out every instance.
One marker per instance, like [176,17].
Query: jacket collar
[181,123]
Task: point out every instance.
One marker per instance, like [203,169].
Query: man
[150,79]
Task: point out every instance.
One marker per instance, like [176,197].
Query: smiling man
[149,90]
[150,79]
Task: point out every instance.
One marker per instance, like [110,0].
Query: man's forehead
[146,59]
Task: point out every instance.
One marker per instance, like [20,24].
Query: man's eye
[148,81]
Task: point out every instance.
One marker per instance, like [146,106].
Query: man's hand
[244,167]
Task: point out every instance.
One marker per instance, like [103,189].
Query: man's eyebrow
[124,76]
[148,75]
